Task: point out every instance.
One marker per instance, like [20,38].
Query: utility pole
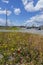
[6,18]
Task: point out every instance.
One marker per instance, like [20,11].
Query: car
[39,29]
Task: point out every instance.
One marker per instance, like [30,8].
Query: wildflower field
[21,49]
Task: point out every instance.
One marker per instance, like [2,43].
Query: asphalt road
[34,31]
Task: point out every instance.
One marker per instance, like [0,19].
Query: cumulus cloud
[24,2]
[3,22]
[39,5]
[4,12]
[29,5]
[5,1]
[38,19]
[17,11]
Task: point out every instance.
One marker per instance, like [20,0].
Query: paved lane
[34,31]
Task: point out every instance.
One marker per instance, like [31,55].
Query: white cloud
[5,1]
[3,22]
[24,2]
[4,12]
[29,6]
[39,5]
[0,8]
[34,20]
[17,11]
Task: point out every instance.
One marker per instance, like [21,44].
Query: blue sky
[21,12]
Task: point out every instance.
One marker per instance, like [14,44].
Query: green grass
[21,49]
[9,28]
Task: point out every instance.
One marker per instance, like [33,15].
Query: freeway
[33,31]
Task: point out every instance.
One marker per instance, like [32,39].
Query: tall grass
[21,49]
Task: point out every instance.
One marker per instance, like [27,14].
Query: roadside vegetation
[9,28]
[21,49]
